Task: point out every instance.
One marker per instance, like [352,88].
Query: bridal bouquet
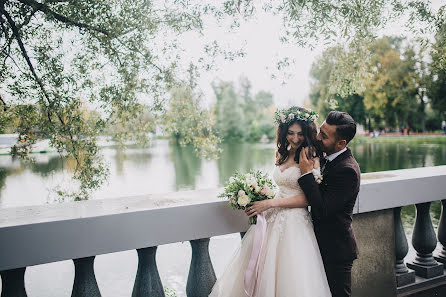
[243,189]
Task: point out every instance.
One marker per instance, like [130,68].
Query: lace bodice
[287,181]
[288,186]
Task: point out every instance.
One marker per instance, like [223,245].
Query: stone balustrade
[80,231]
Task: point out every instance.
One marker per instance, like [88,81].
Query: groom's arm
[339,190]
[297,201]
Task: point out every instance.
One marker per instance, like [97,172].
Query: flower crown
[294,113]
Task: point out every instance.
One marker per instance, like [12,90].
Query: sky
[263,48]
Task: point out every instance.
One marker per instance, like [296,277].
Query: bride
[289,263]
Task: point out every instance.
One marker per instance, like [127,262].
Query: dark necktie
[325,165]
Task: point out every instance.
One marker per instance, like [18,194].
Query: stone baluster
[441,256]
[147,281]
[13,282]
[404,276]
[85,284]
[201,277]
[424,242]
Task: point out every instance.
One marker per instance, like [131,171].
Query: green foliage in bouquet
[244,189]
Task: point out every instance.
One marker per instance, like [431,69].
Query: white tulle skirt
[289,265]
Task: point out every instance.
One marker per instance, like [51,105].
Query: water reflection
[45,166]
[242,157]
[187,166]
[374,157]
[165,167]
[130,157]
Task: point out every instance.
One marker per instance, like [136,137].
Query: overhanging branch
[17,37]
[5,108]
[61,18]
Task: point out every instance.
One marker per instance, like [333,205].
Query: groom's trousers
[339,276]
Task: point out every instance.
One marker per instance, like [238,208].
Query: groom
[332,201]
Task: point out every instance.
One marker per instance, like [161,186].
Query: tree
[117,55]
[390,93]
[323,97]
[352,23]
[436,90]
[58,54]
[418,68]
[231,120]
[397,77]
[188,122]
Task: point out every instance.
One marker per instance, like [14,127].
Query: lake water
[163,168]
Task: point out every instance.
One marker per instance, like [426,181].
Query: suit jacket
[332,203]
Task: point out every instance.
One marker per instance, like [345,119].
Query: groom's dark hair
[345,125]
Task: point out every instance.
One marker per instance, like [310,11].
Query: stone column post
[13,282]
[441,256]
[201,277]
[85,284]
[404,276]
[147,281]
[424,242]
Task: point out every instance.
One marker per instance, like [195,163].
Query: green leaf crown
[294,113]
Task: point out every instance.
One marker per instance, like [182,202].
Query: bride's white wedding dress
[290,263]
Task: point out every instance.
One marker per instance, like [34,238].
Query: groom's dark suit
[332,203]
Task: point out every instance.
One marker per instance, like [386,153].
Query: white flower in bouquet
[251,180]
[270,193]
[243,200]
[264,190]
[244,189]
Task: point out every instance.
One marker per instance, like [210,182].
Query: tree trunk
[423,113]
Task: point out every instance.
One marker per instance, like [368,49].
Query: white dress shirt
[334,155]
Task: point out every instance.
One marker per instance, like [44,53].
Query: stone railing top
[35,214]
[48,233]
[402,174]
[389,189]
[93,208]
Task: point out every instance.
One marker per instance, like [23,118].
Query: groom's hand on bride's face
[305,164]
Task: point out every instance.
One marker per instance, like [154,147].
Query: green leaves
[189,123]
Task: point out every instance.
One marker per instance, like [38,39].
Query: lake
[165,167]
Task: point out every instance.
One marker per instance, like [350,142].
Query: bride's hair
[308,129]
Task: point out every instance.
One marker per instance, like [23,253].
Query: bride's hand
[258,207]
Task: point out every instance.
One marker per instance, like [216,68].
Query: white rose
[252,183]
[251,180]
[243,200]
[270,193]
[257,189]
[231,179]
[291,116]
[307,114]
[241,193]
